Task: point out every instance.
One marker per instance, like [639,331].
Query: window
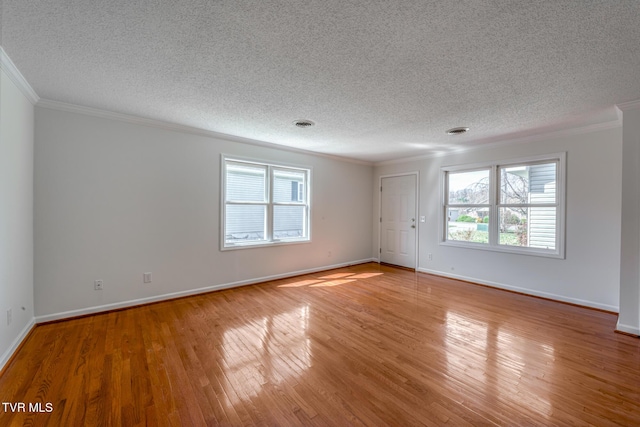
[515,206]
[263,203]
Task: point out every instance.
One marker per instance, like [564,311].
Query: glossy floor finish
[367,345]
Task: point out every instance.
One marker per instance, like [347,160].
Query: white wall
[16,215]
[114,200]
[629,319]
[590,273]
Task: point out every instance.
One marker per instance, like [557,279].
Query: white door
[398,223]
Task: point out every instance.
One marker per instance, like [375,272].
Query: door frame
[416,174]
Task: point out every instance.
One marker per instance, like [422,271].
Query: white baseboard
[627,329]
[527,291]
[131,303]
[16,343]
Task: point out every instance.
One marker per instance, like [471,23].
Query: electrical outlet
[430,257]
[97,285]
[146,278]
[9,317]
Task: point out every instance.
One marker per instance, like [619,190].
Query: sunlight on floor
[330,280]
[332,283]
[337,276]
[365,275]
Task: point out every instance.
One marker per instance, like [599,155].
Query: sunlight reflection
[516,367]
[267,350]
[330,280]
[466,330]
[332,283]
[549,349]
[365,275]
[465,347]
[300,283]
[337,276]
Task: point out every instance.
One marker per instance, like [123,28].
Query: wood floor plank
[363,345]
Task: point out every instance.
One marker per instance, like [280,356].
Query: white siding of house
[245,222]
[542,221]
[288,221]
[245,185]
[283,190]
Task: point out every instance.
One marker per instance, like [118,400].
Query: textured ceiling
[381,79]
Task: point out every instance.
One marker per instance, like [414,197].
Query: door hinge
[380,219]
[381,189]
[380,250]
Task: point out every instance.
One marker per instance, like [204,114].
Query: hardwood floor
[365,345]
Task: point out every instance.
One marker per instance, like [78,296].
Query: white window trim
[270,167]
[559,251]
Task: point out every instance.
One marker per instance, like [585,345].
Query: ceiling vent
[303,123]
[457,131]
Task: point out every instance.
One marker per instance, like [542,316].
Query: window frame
[271,169]
[495,204]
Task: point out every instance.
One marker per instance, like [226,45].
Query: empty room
[319,213]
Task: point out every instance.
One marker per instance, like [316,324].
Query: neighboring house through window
[514,206]
[263,203]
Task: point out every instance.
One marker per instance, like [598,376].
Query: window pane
[245,223]
[288,186]
[468,224]
[468,187]
[289,222]
[528,184]
[528,227]
[246,183]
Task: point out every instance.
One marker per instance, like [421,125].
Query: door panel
[404,243]
[391,241]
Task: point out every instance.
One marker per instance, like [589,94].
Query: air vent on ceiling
[303,123]
[458,130]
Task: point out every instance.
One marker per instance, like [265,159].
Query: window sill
[253,245]
[506,249]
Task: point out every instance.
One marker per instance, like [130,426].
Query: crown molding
[580,130]
[7,65]
[159,124]
[631,105]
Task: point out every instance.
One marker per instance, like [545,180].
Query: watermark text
[31,407]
